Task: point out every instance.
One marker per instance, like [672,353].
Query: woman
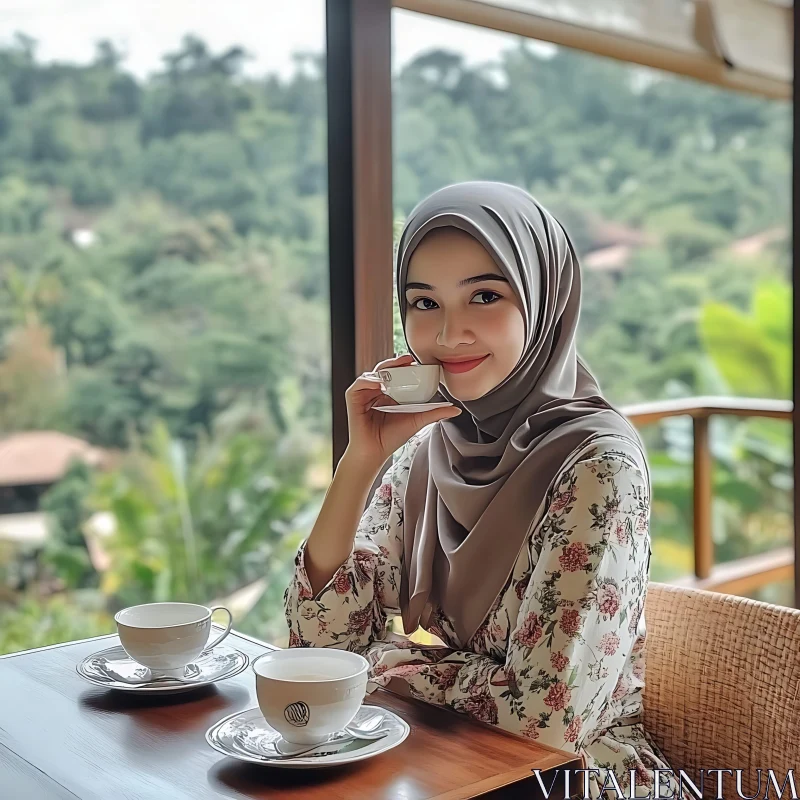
[513,525]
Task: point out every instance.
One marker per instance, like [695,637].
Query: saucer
[115,669]
[410,408]
[247,736]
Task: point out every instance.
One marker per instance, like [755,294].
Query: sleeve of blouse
[352,610]
[577,622]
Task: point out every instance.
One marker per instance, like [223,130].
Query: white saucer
[247,736]
[410,408]
[115,669]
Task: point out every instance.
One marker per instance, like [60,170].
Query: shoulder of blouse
[616,448]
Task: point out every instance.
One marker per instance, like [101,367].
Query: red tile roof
[42,456]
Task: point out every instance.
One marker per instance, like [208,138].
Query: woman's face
[462,313]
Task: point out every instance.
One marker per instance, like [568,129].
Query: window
[676,195]
[164,377]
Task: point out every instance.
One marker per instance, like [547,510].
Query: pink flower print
[359,620]
[447,678]
[559,661]
[574,557]
[638,668]
[481,706]
[621,689]
[573,730]
[570,622]
[609,643]
[297,641]
[522,586]
[530,632]
[638,644]
[608,598]
[643,776]
[562,499]
[404,670]
[620,533]
[342,583]
[558,697]
[385,492]
[303,592]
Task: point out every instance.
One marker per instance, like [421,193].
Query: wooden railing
[745,574]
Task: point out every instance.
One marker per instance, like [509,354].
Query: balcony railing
[745,574]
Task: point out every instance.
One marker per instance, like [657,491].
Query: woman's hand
[375,435]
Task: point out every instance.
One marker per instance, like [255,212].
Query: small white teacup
[307,693]
[167,636]
[416,383]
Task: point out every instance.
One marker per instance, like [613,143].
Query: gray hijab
[478,483]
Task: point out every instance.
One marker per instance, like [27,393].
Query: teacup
[416,383]
[307,693]
[167,636]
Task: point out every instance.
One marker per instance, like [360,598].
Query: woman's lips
[462,366]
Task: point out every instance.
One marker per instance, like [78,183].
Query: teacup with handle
[167,636]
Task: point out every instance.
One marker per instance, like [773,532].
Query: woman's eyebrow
[488,276]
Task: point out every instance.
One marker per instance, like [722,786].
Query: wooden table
[62,738]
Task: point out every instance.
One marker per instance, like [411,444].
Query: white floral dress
[559,656]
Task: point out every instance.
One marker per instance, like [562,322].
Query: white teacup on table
[306,694]
[167,636]
[412,385]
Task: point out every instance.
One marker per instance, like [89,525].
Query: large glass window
[164,369]
[676,195]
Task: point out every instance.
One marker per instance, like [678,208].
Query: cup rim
[364,668]
[411,366]
[206,616]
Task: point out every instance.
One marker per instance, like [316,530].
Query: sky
[270,29]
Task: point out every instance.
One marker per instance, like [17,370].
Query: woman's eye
[493,295]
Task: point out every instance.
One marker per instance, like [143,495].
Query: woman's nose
[453,333]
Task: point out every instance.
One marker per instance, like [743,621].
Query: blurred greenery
[164,290]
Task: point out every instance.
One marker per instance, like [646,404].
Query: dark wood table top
[61,737]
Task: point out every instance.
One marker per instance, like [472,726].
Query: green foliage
[67,509]
[753,351]
[193,529]
[36,622]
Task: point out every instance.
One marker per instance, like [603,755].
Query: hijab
[478,483]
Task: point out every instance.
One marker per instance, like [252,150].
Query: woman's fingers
[436,414]
[362,382]
[390,362]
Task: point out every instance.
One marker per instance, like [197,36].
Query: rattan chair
[722,685]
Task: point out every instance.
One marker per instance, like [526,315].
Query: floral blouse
[557,659]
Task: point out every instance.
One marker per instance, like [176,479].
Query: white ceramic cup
[417,383]
[167,636]
[307,693]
